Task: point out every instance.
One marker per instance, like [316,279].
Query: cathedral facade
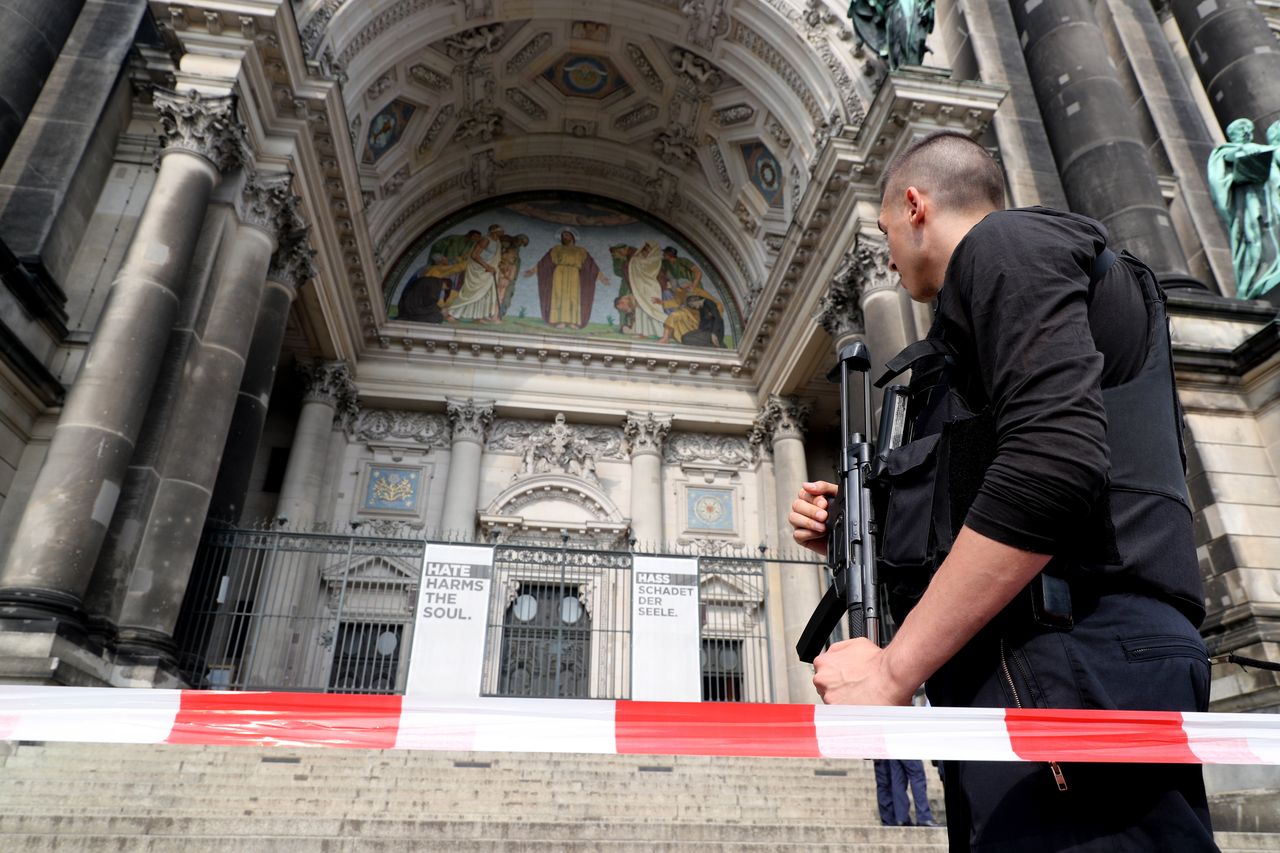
[295,292]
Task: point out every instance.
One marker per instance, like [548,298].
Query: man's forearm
[978,578]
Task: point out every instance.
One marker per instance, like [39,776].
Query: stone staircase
[125,798]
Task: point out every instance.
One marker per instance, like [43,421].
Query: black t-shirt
[1031,342]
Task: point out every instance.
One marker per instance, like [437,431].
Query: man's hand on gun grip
[809,514]
[857,672]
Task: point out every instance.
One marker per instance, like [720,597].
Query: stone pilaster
[645,434]
[64,523]
[197,425]
[469,419]
[780,426]
[330,391]
[291,267]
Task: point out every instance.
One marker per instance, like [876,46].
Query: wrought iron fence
[328,612]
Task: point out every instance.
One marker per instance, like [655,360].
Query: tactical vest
[1138,538]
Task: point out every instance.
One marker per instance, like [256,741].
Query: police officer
[1037,536]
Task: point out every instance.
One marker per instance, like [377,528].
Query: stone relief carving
[529,52]
[429,77]
[645,432]
[638,116]
[372,426]
[717,158]
[470,45]
[675,146]
[748,38]
[433,131]
[525,104]
[202,125]
[469,418]
[840,309]
[686,448]
[708,20]
[558,449]
[381,85]
[695,70]
[662,191]
[396,181]
[644,66]
[736,114]
[293,262]
[472,9]
[267,203]
[479,124]
[781,417]
[484,172]
[779,133]
[510,435]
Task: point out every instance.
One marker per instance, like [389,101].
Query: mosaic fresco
[574,264]
[585,76]
[709,509]
[764,170]
[392,489]
[386,128]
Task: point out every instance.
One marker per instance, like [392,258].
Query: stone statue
[894,29]
[1245,183]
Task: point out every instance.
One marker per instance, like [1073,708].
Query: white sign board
[448,635]
[666,653]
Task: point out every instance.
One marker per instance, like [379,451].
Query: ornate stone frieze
[329,382]
[781,417]
[717,159]
[644,66]
[778,132]
[736,114]
[429,77]
[473,9]
[469,418]
[675,146]
[708,20]
[267,203]
[758,45]
[871,267]
[202,125]
[638,116]
[557,448]
[484,172]
[314,29]
[511,435]
[695,71]
[840,309]
[293,262]
[373,426]
[469,45]
[696,448]
[479,124]
[525,104]
[437,125]
[393,15]
[397,180]
[531,51]
[646,432]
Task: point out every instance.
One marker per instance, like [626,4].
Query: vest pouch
[910,477]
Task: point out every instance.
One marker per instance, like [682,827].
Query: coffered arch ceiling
[706,113]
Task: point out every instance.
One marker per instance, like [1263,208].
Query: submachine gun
[851,547]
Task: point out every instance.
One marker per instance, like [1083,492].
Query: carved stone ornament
[695,70]
[469,418]
[329,382]
[871,266]
[267,203]
[697,448]
[558,449]
[781,417]
[474,43]
[646,432]
[374,426]
[510,435]
[840,309]
[708,20]
[480,124]
[201,125]
[675,146]
[293,263]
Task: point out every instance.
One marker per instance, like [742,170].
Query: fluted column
[469,420]
[780,426]
[291,267]
[329,390]
[645,434]
[1236,56]
[65,520]
[1106,171]
[192,445]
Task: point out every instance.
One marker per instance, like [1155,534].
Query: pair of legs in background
[893,777]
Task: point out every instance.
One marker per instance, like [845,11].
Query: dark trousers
[893,777]
[1125,651]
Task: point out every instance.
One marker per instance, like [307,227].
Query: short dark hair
[953,168]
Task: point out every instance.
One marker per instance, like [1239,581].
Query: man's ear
[917,210]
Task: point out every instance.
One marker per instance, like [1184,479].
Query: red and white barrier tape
[105,715]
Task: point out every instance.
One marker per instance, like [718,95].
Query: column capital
[645,432]
[329,382]
[201,124]
[779,418]
[862,271]
[268,204]
[293,262]
[469,418]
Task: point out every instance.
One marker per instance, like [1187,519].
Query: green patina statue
[894,29]
[1244,178]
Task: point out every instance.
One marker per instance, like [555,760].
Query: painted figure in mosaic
[478,298]
[894,29]
[508,269]
[434,284]
[567,276]
[1244,192]
[642,278]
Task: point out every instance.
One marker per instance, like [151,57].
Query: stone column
[197,429]
[1106,171]
[330,390]
[63,525]
[32,33]
[1236,56]
[780,426]
[469,420]
[645,433]
[291,267]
